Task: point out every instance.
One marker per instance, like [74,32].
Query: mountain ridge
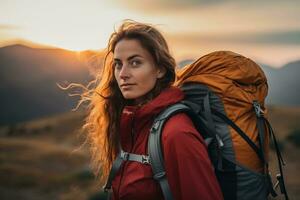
[28,78]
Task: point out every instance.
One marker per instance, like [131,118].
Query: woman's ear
[161,72]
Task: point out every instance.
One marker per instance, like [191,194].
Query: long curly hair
[105,99]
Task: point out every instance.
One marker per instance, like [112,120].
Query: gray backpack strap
[155,148]
[261,129]
[261,123]
[112,174]
[135,157]
[209,118]
[261,134]
[122,156]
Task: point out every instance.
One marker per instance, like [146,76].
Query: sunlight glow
[68,24]
[191,31]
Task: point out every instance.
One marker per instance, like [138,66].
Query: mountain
[284,84]
[28,78]
[185,62]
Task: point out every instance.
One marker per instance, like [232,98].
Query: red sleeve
[189,170]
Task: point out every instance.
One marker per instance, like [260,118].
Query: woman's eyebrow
[133,56]
[117,59]
[129,58]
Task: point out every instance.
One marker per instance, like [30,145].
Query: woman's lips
[127,85]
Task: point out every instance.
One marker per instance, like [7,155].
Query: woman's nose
[124,73]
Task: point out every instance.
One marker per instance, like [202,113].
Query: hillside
[28,78]
[284,84]
[41,159]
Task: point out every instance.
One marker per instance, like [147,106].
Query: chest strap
[135,157]
[123,156]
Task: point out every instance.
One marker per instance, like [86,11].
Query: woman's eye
[117,65]
[135,63]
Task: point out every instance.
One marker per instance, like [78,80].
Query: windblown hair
[105,99]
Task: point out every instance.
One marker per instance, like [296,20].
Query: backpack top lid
[226,72]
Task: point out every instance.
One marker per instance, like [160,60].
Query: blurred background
[47,42]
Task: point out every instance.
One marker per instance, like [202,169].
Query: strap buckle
[124,155]
[154,127]
[258,110]
[220,142]
[159,175]
[280,183]
[106,188]
[145,159]
[271,188]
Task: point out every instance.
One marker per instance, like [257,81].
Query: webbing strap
[135,157]
[122,156]
[155,148]
[155,153]
[164,185]
[261,135]
[261,129]
[210,124]
[239,131]
[280,160]
[112,174]
[156,159]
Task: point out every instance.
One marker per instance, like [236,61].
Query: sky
[267,31]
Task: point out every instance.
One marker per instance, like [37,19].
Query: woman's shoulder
[180,127]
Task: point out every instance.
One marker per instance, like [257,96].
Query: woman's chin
[132,96]
[129,96]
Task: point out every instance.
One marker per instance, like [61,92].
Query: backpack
[224,97]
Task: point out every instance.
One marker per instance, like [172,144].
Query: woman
[136,85]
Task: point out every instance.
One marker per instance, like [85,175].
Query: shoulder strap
[155,148]
[155,157]
[112,174]
[261,125]
[122,156]
[261,129]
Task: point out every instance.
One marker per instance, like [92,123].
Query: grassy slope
[285,120]
[41,160]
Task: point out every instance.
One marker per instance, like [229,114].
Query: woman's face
[134,69]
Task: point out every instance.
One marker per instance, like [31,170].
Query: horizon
[37,46]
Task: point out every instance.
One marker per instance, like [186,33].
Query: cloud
[163,6]
[289,37]
[273,48]
[8,27]
[218,16]
[150,6]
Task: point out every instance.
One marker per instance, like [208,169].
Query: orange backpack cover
[237,81]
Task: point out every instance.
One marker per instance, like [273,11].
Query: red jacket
[188,168]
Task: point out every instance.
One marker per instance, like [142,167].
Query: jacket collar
[150,110]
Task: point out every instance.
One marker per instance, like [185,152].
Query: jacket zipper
[131,148]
